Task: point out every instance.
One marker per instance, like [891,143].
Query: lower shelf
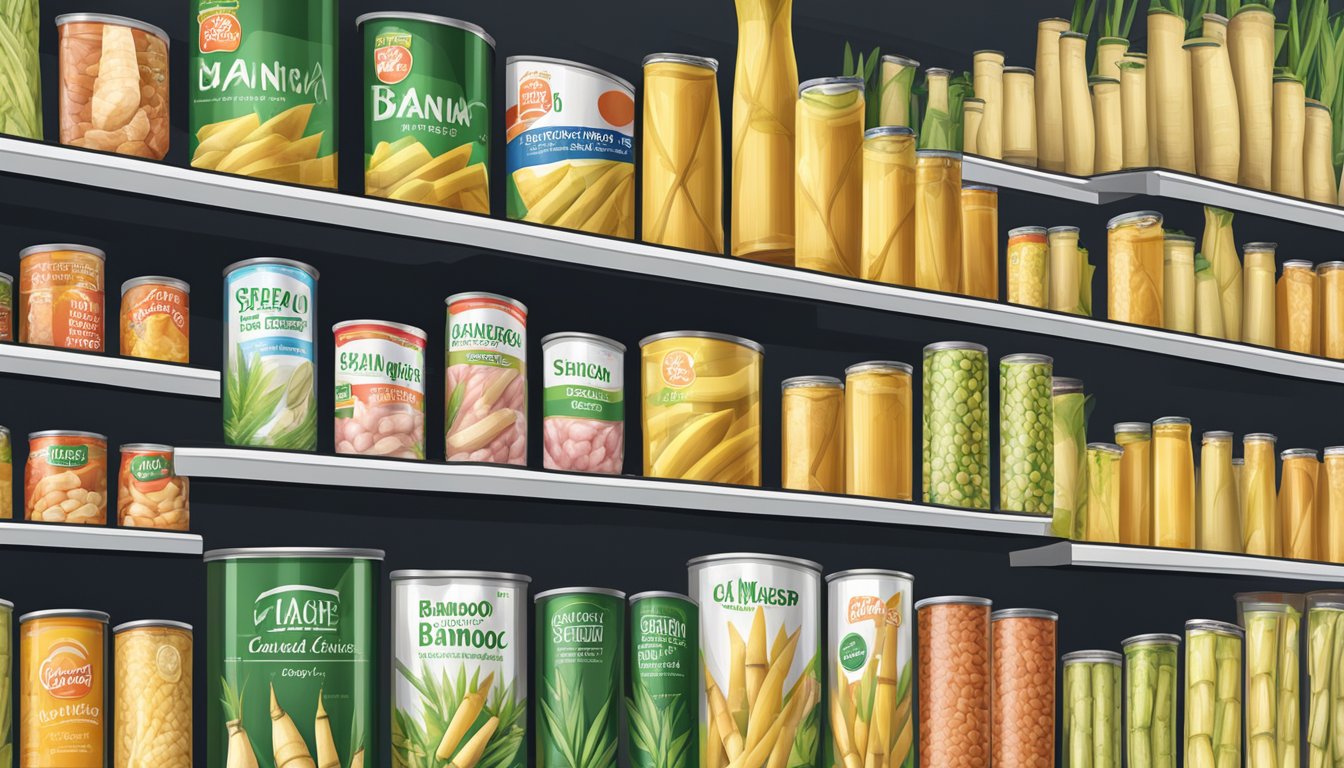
[244,464]
[1081,554]
[96,538]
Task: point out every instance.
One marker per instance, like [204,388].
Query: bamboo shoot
[1258,322]
[1080,131]
[1250,48]
[888,242]
[1169,98]
[1290,127]
[1178,283]
[1219,247]
[898,78]
[828,187]
[972,113]
[1049,100]
[1318,166]
[1106,111]
[1019,116]
[1110,51]
[1296,317]
[1217,131]
[987,71]
[1214,26]
[1134,113]
[938,220]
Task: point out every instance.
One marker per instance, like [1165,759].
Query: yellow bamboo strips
[1218,527]
[1220,248]
[987,80]
[758,664]
[1134,113]
[828,186]
[1318,164]
[1049,99]
[1136,467]
[888,242]
[1260,522]
[1296,316]
[878,436]
[1330,506]
[898,76]
[1297,503]
[1110,52]
[1080,130]
[1134,268]
[1110,142]
[1173,484]
[1330,278]
[1217,130]
[1250,47]
[1069,272]
[1019,116]
[765,712]
[1178,283]
[1169,96]
[1258,323]
[682,160]
[728,730]
[979,242]
[287,744]
[938,220]
[737,705]
[972,112]
[1290,126]
[813,439]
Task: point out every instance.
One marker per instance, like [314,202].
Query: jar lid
[801,382]
[1216,435]
[1065,385]
[748,343]
[1260,437]
[1298,453]
[1152,638]
[1026,358]
[880,365]
[830,86]
[888,130]
[953,600]
[1143,218]
[704,62]
[1106,448]
[1210,625]
[904,61]
[1259,247]
[951,346]
[1063,230]
[1023,613]
[1019,231]
[1092,657]
[1133,428]
[1019,71]
[171,282]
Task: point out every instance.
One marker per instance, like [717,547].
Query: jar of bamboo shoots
[1026,434]
[1092,703]
[980,242]
[887,252]
[1068,404]
[898,76]
[1330,279]
[1297,502]
[1150,701]
[1024,650]
[1109,147]
[814,434]
[938,220]
[1260,532]
[1178,282]
[1101,523]
[1173,484]
[1028,273]
[1325,627]
[1049,107]
[954,685]
[972,113]
[987,84]
[1330,506]
[879,440]
[1067,269]
[828,182]
[1212,692]
[1019,116]
[1258,316]
[1273,625]
[682,162]
[1295,313]
[153,669]
[1217,524]
[1136,467]
[1134,251]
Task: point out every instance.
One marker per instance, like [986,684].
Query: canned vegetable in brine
[468,628]
[427,110]
[486,413]
[580,675]
[61,296]
[583,411]
[292,658]
[114,84]
[63,694]
[6,307]
[380,389]
[153,725]
[155,319]
[6,474]
[149,492]
[6,680]
[65,480]
[664,637]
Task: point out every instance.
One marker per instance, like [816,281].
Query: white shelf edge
[99,539]
[1179,186]
[250,465]
[983,170]
[1081,554]
[110,371]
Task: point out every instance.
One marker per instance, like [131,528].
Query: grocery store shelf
[478,479]
[109,371]
[1181,186]
[100,539]
[1080,189]
[1079,554]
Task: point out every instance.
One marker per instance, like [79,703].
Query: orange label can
[149,493]
[156,319]
[61,296]
[65,479]
[62,693]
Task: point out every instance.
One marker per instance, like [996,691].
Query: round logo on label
[678,368]
[392,63]
[853,652]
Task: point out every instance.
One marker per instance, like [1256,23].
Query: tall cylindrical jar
[21,102]
[1092,704]
[1110,51]
[1273,625]
[1102,521]
[153,679]
[1330,279]
[485,389]
[1023,719]
[1134,252]
[1070,277]
[898,79]
[1169,98]
[1134,113]
[1330,506]
[1212,693]
[956,425]
[1173,484]
[979,242]
[1318,172]
[828,187]
[972,112]
[1325,666]
[1218,527]
[813,440]
[1214,27]
[887,247]
[1251,50]
[938,220]
[1080,131]
[1028,267]
[1297,503]
[1217,130]
[1109,152]
[879,440]
[682,161]
[765,89]
[1020,144]
[1178,282]
[1049,99]
[1260,528]
[955,672]
[1026,434]
[987,79]
[1290,126]
[1258,312]
[1069,411]
[1136,468]
[1150,700]
[1295,313]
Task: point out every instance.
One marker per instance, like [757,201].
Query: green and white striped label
[583,379]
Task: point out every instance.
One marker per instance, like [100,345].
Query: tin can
[63,689]
[813,438]
[760,627]
[156,319]
[264,89]
[149,492]
[469,628]
[1134,253]
[664,664]
[583,404]
[878,423]
[291,656]
[380,389]
[152,720]
[114,84]
[956,425]
[580,674]
[1023,717]
[6,307]
[870,650]
[270,390]
[1028,267]
[486,379]
[427,109]
[6,475]
[954,681]
[65,479]
[702,407]
[61,296]
[570,146]
[682,153]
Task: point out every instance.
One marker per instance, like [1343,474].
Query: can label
[585,380]
[664,634]
[427,113]
[63,712]
[263,89]
[486,414]
[460,655]
[380,391]
[155,324]
[270,393]
[580,661]
[61,300]
[153,669]
[149,492]
[65,480]
[6,310]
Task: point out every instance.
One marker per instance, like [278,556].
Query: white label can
[486,389]
[380,389]
[583,407]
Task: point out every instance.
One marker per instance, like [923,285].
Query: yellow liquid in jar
[1102,523]
[1258,320]
[1136,514]
[1295,310]
[1066,272]
[1297,507]
[828,190]
[682,162]
[1219,529]
[938,223]
[1134,264]
[879,440]
[887,251]
[1173,487]
[980,243]
[814,439]
[1178,285]
[1331,283]
[1330,510]
[1028,270]
[1260,523]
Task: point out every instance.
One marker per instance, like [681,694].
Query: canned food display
[427,110]
[702,407]
[1026,434]
[956,425]
[1273,627]
[938,220]
[1028,267]
[955,673]
[1297,318]
[828,181]
[380,389]
[1092,709]
[1212,693]
[887,248]
[65,479]
[1136,475]
[114,84]
[61,296]
[879,438]
[1260,518]
[1325,655]
[583,403]
[1330,278]
[1069,406]
[1217,520]
[1173,484]
[760,646]
[6,306]
[21,106]
[6,474]
[1134,269]
[291,656]
[580,673]
[813,440]
[153,724]
[1024,651]
[459,659]
[980,241]
[264,90]
[1101,523]
[569,146]
[1297,502]
[270,384]
[150,494]
[682,153]
[664,675]
[486,387]
[1150,700]
[1070,283]
[63,688]
[156,319]
[870,651]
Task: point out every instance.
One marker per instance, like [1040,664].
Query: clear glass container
[1330,279]
[898,78]
[813,440]
[682,160]
[1136,475]
[1024,651]
[956,425]
[1173,484]
[1069,405]
[1150,700]
[879,440]
[1325,676]
[1330,506]
[1258,315]
[1212,693]
[1092,707]
[1218,526]
[1260,532]
[955,673]
[1273,624]
[1026,434]
[1134,253]
[1070,274]
[887,250]
[1178,282]
[1028,267]
[938,220]
[828,187]
[980,241]
[1102,522]
[1295,311]
[1297,503]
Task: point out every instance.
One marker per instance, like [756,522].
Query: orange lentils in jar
[61,296]
[156,319]
[1024,642]
[954,682]
[149,492]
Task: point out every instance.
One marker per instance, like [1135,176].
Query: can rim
[5,277]
[653,593]
[1260,437]
[150,623]
[953,346]
[484,295]
[411,573]
[880,365]
[1263,606]
[65,613]
[577,591]
[888,130]
[1065,385]
[1035,358]
[1298,264]
[156,447]
[816,382]
[1325,266]
[120,21]
[728,337]
[276,260]
[1297,453]
[171,282]
[1259,246]
[1314,104]
[836,85]
[1111,448]
[849,573]
[1023,613]
[1073,35]
[1094,656]
[1151,638]
[411,329]
[904,61]
[1216,434]
[1213,625]
[446,21]
[6,604]
[50,247]
[979,188]
[1178,237]
[1063,229]
[1333,450]
[1135,216]
[510,61]
[1132,428]
[940,71]
[945,153]
[1238,461]
[551,338]
[704,62]
[1171,420]
[256,553]
[721,557]
[66,433]
[1201,42]
[1027,230]
[954,600]
[1019,71]
[1102,80]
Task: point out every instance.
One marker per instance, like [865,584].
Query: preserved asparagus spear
[1150,700]
[1212,694]
[1092,709]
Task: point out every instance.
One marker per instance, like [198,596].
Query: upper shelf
[123,372]
[130,175]
[100,539]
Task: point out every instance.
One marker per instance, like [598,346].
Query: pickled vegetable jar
[682,161]
[1273,626]
[1217,524]
[980,241]
[1092,709]
[1178,282]
[1325,677]
[898,78]
[1019,116]
[1173,484]
[1260,532]
[887,251]
[1134,268]
[1028,271]
[879,439]
[114,84]
[1330,278]
[1297,503]
[828,187]
[152,675]
[814,434]
[1330,506]
[1136,474]
[954,682]
[1026,434]
[1295,309]
[156,319]
[65,479]
[1070,274]
[1024,651]
[702,407]
[956,425]
[1069,407]
[6,307]
[1212,694]
[938,220]
[1150,700]
[6,475]
[1258,315]
[21,103]
[61,296]
[1102,520]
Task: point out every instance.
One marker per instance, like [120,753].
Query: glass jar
[1218,527]
[1069,405]
[1070,274]
[682,161]
[955,672]
[1026,434]
[1134,253]
[980,242]
[988,85]
[1173,484]
[1330,506]
[1019,116]
[1330,278]
[938,220]
[879,438]
[1024,651]
[1295,311]
[6,475]
[1212,693]
[1273,625]
[1297,503]
[887,251]
[1258,315]
[1260,532]
[972,112]
[1150,700]
[956,425]
[1102,522]
[828,186]
[898,79]
[813,437]
[1136,470]
[1092,694]
[1028,267]
[1178,282]
[1325,676]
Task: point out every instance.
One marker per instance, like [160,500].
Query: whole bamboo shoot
[1250,48]
[1049,100]
[287,744]
[1217,130]
[1019,116]
[1297,503]
[1169,98]
[987,71]
[1260,523]
[1080,131]
[1134,113]
[1110,52]
[241,754]
[1318,166]
[1290,130]
[1220,248]
[326,743]
[465,716]
[972,113]
[1178,283]
[1258,322]
[1110,142]
[898,78]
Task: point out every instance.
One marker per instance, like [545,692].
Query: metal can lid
[146,447]
[1142,218]
[955,346]
[1053,20]
[953,600]
[811,382]
[1106,448]
[1135,55]
[465,26]
[411,329]
[120,21]
[1259,247]
[1032,230]
[704,62]
[65,613]
[171,282]
[863,573]
[1065,385]
[1260,437]
[937,72]
[429,574]
[1026,358]
[551,338]
[904,61]
[986,52]
[6,604]
[831,85]
[1178,237]
[1023,613]
[1216,435]
[1238,462]
[4,431]
[1092,657]
[49,247]
[1263,606]
[485,295]
[1133,428]
[1329,266]
[1151,638]
[1019,71]
[1333,450]
[738,340]
[262,260]
[252,553]
[888,130]
[66,433]
[750,556]
[979,188]
[1298,264]
[888,366]
[937,153]
[1298,453]
[151,624]
[512,60]
[1171,420]
[578,591]
[1067,229]
[5,277]
[661,594]
[1211,625]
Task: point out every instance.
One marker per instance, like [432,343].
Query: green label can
[263,89]
[662,705]
[292,657]
[427,117]
[580,665]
